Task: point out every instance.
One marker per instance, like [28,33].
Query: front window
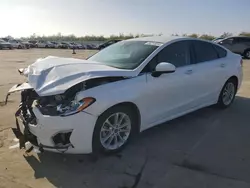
[125,54]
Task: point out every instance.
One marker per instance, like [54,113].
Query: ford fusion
[97,105]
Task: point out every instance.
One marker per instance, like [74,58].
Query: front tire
[114,129]
[227,94]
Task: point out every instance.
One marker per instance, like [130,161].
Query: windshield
[125,54]
[2,40]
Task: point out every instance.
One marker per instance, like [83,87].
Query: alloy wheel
[115,131]
[228,93]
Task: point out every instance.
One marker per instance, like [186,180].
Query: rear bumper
[41,134]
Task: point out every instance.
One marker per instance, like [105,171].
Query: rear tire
[111,135]
[227,94]
[247,54]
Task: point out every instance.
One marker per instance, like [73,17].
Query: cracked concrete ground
[208,148]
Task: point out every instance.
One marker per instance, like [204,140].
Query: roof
[162,39]
[241,36]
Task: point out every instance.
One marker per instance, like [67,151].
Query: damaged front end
[25,116]
[26,119]
[49,100]
[60,105]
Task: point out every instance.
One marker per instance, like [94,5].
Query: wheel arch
[236,80]
[134,108]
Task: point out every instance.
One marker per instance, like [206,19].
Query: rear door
[211,70]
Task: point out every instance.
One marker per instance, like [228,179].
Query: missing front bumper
[24,135]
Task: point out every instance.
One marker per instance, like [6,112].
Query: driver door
[172,94]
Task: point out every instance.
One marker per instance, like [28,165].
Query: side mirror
[163,68]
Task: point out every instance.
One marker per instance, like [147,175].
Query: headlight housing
[75,106]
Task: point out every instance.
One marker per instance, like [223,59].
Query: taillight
[241,62]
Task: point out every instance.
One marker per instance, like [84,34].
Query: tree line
[73,38]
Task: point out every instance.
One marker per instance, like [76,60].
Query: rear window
[220,51]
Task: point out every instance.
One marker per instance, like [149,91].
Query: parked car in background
[50,44]
[68,45]
[64,45]
[79,46]
[84,46]
[4,44]
[32,43]
[239,45]
[57,44]
[99,104]
[90,46]
[108,43]
[16,44]
[45,44]
[26,44]
[75,46]
[41,44]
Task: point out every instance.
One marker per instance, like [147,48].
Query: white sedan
[97,105]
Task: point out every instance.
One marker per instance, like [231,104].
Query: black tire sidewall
[220,101]
[96,143]
[245,54]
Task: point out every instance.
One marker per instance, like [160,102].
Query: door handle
[222,65]
[189,72]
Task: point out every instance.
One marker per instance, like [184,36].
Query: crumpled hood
[54,75]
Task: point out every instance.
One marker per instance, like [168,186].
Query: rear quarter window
[220,51]
[204,51]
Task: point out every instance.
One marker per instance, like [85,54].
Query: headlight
[75,106]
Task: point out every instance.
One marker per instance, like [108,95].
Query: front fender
[110,94]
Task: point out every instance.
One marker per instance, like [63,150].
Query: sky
[22,18]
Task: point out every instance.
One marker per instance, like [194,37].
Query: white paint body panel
[82,125]
[158,98]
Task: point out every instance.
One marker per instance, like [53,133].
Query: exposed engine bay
[57,104]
